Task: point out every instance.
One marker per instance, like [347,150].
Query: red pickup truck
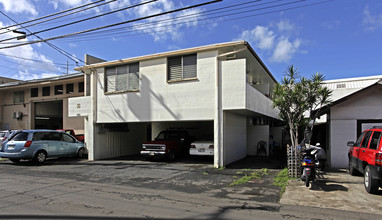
[79,137]
[365,156]
[168,144]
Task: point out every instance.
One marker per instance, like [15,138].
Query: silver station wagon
[41,144]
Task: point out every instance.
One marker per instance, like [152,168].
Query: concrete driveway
[336,190]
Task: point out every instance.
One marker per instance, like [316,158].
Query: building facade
[222,90]
[40,103]
[356,106]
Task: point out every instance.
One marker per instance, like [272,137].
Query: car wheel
[171,156]
[371,185]
[81,152]
[40,157]
[14,160]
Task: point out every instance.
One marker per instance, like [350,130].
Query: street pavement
[336,190]
[138,189]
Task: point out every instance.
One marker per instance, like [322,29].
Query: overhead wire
[82,20]
[54,14]
[221,19]
[184,17]
[49,44]
[34,60]
[115,24]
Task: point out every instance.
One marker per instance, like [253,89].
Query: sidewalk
[335,190]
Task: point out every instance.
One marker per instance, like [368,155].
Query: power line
[220,19]
[74,12]
[79,21]
[148,24]
[47,16]
[115,24]
[23,58]
[49,44]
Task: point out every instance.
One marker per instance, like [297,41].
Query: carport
[124,139]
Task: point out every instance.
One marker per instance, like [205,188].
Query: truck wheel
[171,156]
[371,185]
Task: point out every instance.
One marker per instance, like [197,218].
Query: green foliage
[248,176]
[296,95]
[281,180]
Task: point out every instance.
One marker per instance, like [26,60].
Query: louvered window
[122,78]
[181,67]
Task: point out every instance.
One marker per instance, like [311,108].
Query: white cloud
[262,37]
[286,26]
[285,50]
[28,69]
[160,31]
[274,43]
[19,6]
[370,21]
[65,4]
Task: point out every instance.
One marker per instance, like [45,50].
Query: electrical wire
[40,61]
[49,44]
[33,24]
[79,21]
[115,24]
[54,14]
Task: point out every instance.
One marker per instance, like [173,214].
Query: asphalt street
[137,189]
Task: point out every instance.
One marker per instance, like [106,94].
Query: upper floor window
[58,90]
[46,91]
[69,88]
[181,67]
[34,92]
[18,97]
[122,78]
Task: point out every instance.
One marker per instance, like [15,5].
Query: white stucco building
[221,89]
[356,106]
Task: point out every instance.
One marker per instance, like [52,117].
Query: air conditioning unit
[17,115]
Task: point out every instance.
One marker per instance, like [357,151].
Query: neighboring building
[356,106]
[40,103]
[221,90]
[7,80]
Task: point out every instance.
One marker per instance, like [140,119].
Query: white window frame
[182,75]
[113,82]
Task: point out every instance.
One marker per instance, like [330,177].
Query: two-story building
[40,103]
[221,90]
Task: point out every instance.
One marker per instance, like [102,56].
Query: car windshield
[167,135]
[22,136]
[2,134]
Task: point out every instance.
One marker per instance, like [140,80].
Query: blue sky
[339,38]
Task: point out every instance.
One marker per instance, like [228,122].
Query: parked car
[365,156]
[6,135]
[41,144]
[202,147]
[79,137]
[168,144]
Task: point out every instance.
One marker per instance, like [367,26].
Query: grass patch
[205,173]
[281,180]
[249,175]
[221,168]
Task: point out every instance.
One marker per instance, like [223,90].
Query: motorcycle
[308,166]
[313,159]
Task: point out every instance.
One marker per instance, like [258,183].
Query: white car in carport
[202,148]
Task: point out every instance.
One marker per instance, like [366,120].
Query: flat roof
[27,82]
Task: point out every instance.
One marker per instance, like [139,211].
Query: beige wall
[8,107]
